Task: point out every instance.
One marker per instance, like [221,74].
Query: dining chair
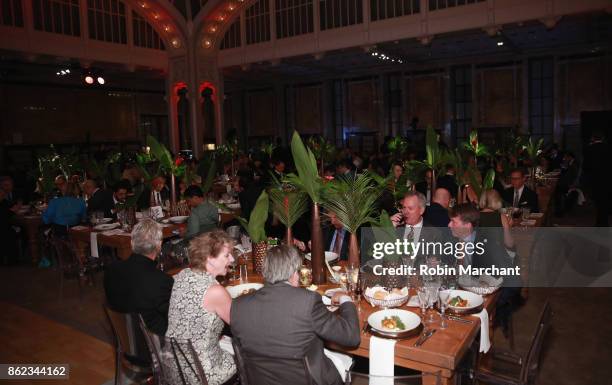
[508,368]
[174,361]
[68,264]
[356,378]
[295,371]
[132,358]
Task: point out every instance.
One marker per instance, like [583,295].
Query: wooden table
[441,353]
[31,224]
[81,239]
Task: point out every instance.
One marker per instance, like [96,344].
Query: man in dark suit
[436,213]
[335,237]
[281,323]
[597,176]
[136,285]
[448,181]
[99,199]
[424,187]
[155,195]
[520,195]
[345,169]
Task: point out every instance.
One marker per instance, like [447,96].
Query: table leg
[432,380]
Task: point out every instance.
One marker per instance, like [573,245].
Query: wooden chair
[508,368]
[132,355]
[68,264]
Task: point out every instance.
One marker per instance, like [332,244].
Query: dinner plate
[178,219]
[233,206]
[330,256]
[237,291]
[105,220]
[410,320]
[330,292]
[475,301]
[106,226]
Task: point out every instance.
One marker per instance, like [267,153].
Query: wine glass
[443,295]
[423,296]
[432,287]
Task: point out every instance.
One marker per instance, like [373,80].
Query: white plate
[330,256]
[105,220]
[233,206]
[236,291]
[330,292]
[107,226]
[474,300]
[408,318]
[179,219]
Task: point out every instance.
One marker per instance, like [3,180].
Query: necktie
[516,198]
[410,236]
[338,242]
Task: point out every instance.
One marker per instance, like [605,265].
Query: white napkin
[485,342]
[382,360]
[342,362]
[226,344]
[414,301]
[93,242]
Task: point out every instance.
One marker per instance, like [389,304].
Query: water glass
[443,295]
[423,296]
[244,276]
[526,211]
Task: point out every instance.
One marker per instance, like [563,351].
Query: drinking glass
[432,287]
[443,295]
[244,277]
[525,212]
[343,278]
[423,295]
[305,276]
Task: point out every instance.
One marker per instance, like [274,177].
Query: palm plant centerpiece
[256,228]
[309,181]
[532,150]
[174,167]
[385,232]
[433,158]
[288,205]
[353,200]
[322,150]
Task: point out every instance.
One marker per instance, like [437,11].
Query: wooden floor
[27,337]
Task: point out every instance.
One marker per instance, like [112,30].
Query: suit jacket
[101,200]
[137,286]
[144,201]
[448,182]
[422,188]
[436,215]
[281,322]
[430,234]
[328,236]
[527,199]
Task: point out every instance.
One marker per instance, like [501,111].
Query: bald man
[436,213]
[98,199]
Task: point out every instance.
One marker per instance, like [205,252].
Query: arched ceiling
[165,19]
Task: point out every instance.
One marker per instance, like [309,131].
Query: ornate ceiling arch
[214,21]
[165,19]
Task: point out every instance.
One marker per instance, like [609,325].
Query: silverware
[459,319]
[425,337]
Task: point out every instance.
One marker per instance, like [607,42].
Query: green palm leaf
[307,178]
[288,205]
[256,226]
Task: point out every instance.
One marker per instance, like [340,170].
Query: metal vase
[317,254]
[354,257]
[260,250]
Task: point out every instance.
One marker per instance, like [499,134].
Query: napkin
[485,342]
[342,362]
[93,243]
[226,344]
[382,360]
[414,301]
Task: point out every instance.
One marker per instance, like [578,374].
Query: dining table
[31,224]
[440,354]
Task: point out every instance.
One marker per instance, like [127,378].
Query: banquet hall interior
[139,135]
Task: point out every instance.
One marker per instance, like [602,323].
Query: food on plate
[381,294]
[312,287]
[458,302]
[247,291]
[393,323]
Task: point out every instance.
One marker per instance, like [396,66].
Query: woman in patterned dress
[199,305]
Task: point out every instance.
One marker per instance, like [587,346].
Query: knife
[424,337]
[459,319]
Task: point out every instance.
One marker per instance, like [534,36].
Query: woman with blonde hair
[490,215]
[199,305]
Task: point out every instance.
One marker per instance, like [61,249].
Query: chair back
[129,339]
[355,378]
[260,369]
[531,364]
[175,362]
[66,256]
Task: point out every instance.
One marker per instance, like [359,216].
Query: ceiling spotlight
[57,73]
[67,71]
[101,80]
[89,79]
[500,43]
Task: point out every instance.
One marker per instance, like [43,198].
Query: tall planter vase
[318,264]
[259,251]
[289,237]
[172,192]
[354,257]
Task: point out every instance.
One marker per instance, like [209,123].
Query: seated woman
[490,205]
[199,305]
[65,211]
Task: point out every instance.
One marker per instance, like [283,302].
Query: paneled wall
[498,96]
[262,113]
[32,115]
[363,105]
[426,99]
[308,109]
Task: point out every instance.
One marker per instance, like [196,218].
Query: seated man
[99,199]
[282,323]
[520,195]
[156,195]
[204,216]
[64,211]
[136,285]
[335,237]
[436,213]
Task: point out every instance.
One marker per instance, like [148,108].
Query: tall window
[541,97]
[232,36]
[293,17]
[144,34]
[340,13]
[57,16]
[461,90]
[387,9]
[11,13]
[394,103]
[257,19]
[107,21]
[441,4]
[338,117]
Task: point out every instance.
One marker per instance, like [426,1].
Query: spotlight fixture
[63,72]
[382,56]
[500,43]
[89,79]
[101,80]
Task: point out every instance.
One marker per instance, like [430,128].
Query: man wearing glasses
[519,195]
